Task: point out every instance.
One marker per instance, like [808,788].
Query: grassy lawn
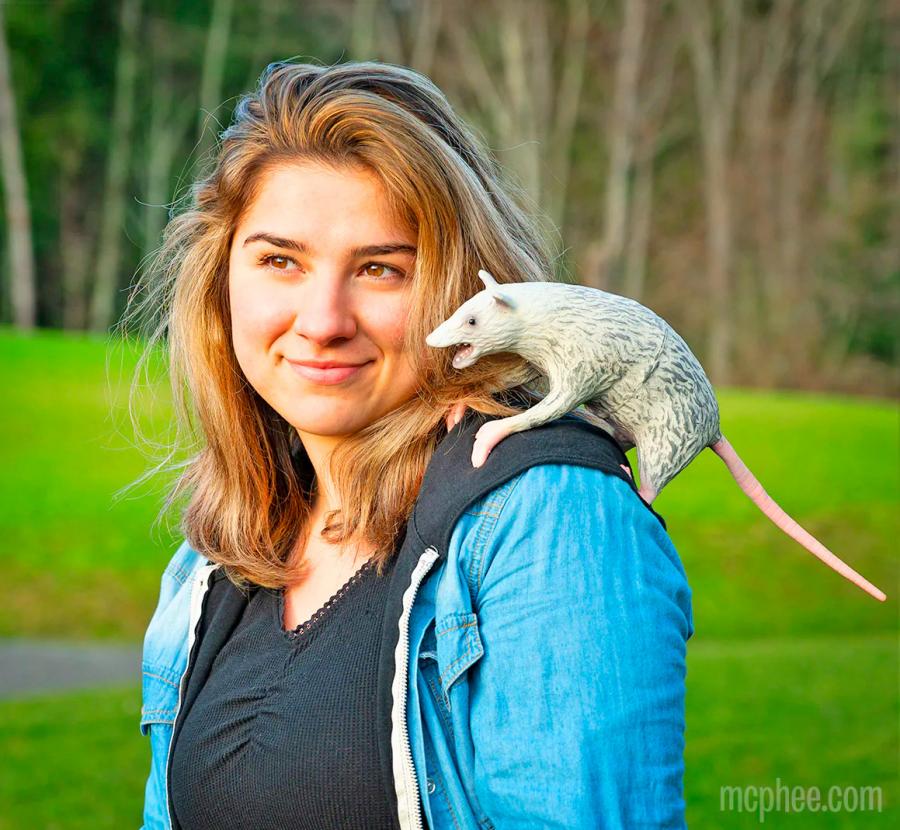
[73,761]
[792,672]
[74,552]
[805,712]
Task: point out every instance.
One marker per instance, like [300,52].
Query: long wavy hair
[248,481]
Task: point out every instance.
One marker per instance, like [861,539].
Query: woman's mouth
[327,377]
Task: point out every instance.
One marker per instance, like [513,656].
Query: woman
[360,629]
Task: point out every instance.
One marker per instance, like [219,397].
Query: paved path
[29,667]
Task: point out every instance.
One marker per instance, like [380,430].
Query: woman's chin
[330,425]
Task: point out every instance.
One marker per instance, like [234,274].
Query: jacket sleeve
[163,661]
[577,705]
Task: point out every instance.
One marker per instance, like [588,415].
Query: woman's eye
[269,259]
[383,266]
[376,270]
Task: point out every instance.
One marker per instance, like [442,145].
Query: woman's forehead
[305,205]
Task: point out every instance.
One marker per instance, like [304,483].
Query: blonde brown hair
[249,483]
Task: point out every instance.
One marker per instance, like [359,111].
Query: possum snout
[435,340]
[448,334]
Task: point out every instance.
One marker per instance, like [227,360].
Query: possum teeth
[461,354]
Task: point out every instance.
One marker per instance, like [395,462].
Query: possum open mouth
[462,353]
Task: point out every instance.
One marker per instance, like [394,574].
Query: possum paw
[487,437]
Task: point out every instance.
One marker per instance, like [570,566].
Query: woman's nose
[324,311]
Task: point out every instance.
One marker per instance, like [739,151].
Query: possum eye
[471,321]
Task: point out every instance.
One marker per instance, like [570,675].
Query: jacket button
[429,785]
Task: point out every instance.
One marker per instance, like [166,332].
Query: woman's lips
[336,374]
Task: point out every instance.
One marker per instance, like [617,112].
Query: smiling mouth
[462,355]
[327,376]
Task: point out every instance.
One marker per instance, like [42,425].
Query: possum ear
[486,278]
[503,300]
[493,288]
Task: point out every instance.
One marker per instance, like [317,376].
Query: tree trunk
[363,23]
[773,42]
[213,72]
[718,252]
[558,158]
[170,119]
[654,98]
[23,292]
[103,301]
[530,107]
[75,238]
[824,32]
[621,128]
[639,228]
[716,72]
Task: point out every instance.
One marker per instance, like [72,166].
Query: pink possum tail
[766,503]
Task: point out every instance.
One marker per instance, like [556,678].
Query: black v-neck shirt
[282,734]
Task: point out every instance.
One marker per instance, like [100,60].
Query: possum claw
[455,415]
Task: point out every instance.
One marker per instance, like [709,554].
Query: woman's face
[320,271]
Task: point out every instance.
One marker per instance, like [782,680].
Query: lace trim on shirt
[301,628]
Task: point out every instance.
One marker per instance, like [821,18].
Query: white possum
[626,366]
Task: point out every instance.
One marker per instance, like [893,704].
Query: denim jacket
[533,660]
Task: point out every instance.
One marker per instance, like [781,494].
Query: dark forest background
[732,164]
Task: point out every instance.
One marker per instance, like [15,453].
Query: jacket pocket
[458,647]
[159,695]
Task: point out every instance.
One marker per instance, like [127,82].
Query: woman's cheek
[258,317]
[392,322]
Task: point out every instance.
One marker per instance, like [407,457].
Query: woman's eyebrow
[302,248]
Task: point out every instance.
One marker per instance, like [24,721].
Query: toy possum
[626,365]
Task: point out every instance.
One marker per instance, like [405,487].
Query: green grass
[792,671]
[74,552]
[815,712]
[73,762]
[805,713]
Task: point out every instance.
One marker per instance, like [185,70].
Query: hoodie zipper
[198,592]
[405,780]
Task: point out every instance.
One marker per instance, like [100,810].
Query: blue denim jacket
[540,670]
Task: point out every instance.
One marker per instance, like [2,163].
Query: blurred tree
[15,188]
[523,82]
[173,107]
[716,61]
[106,279]
[622,141]
[733,165]
[213,73]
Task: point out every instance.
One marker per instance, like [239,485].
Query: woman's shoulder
[581,610]
[564,495]
[169,621]
[183,563]
[564,522]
